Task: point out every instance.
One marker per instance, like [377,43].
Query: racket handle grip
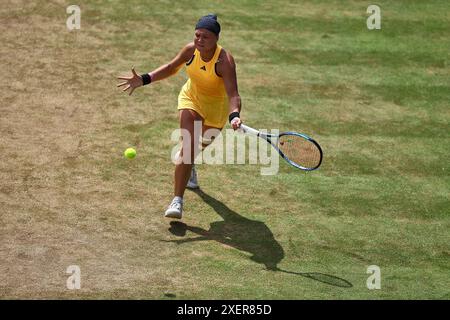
[246,129]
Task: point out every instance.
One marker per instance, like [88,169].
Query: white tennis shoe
[193,183]
[175,210]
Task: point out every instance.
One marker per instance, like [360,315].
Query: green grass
[377,102]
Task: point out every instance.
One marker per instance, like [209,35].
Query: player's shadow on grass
[246,235]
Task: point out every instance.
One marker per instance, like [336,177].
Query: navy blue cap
[209,22]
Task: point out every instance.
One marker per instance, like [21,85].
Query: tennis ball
[130,153]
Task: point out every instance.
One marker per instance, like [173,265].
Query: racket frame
[271,138]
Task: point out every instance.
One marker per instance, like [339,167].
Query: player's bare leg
[187,155]
[208,136]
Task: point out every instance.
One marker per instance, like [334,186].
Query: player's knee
[204,142]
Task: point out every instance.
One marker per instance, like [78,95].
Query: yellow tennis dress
[204,91]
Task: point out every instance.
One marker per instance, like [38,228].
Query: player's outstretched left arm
[160,73]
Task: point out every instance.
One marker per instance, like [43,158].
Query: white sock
[178,199]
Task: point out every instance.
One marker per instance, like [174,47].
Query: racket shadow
[247,235]
[322,277]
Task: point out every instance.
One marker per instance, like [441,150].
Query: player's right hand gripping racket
[297,149]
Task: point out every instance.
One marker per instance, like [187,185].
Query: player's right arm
[160,73]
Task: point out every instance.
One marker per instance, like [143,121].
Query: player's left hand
[236,123]
[132,82]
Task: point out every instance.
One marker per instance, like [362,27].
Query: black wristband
[233,115]
[146,79]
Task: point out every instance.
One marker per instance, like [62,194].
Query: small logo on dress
[203,68]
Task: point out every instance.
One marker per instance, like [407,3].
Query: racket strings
[301,151]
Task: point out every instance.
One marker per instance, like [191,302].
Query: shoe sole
[173,215]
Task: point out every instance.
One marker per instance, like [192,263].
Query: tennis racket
[297,149]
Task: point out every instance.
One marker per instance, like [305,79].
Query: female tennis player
[209,96]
